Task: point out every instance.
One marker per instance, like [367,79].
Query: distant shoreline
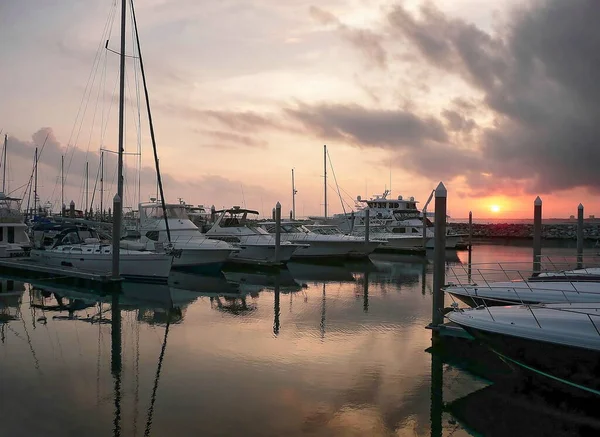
[561,230]
[509,221]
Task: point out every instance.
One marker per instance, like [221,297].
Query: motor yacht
[321,245]
[256,245]
[558,342]
[400,216]
[525,292]
[195,250]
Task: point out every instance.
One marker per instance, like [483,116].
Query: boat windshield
[173,212]
[325,231]
[257,230]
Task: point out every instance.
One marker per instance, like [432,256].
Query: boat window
[11,234]
[152,235]
[415,231]
[230,222]
[399,231]
[173,211]
[76,249]
[1,233]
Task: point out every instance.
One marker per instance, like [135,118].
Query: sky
[499,100]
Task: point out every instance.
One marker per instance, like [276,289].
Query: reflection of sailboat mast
[115,361]
[276,308]
[423,280]
[323,303]
[158,368]
[366,292]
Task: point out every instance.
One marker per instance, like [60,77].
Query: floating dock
[26,267]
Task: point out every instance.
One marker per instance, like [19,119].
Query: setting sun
[494,208]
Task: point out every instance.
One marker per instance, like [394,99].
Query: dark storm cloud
[366,41]
[361,126]
[540,79]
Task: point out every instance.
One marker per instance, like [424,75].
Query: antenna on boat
[101,185]
[35,174]
[152,136]
[4,164]
[62,184]
[243,197]
[87,187]
[325,167]
[293,197]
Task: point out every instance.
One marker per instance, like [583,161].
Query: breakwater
[558,231]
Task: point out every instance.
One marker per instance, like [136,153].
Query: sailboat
[13,231]
[81,249]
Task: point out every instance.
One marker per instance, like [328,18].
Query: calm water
[337,351]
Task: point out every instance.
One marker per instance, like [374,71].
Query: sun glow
[495,208]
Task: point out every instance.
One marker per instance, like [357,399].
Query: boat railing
[537,308]
[557,268]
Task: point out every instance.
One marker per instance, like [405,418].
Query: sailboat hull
[144,266]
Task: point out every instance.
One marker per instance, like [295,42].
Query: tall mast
[35,183]
[101,185]
[325,167]
[293,197]
[152,136]
[116,234]
[87,188]
[4,164]
[62,184]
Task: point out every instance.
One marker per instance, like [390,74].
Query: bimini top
[237,210]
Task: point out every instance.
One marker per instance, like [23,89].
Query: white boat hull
[132,265]
[212,259]
[263,254]
[451,242]
[334,248]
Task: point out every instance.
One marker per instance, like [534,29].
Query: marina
[160,274]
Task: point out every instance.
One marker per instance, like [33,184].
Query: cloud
[234,139]
[537,78]
[366,41]
[207,187]
[367,127]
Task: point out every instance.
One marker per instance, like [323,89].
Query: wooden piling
[277,231]
[537,235]
[439,255]
[580,236]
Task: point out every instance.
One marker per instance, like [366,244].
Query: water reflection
[306,351]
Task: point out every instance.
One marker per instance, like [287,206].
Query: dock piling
[580,236]
[537,235]
[277,210]
[213,214]
[72,209]
[470,246]
[439,255]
